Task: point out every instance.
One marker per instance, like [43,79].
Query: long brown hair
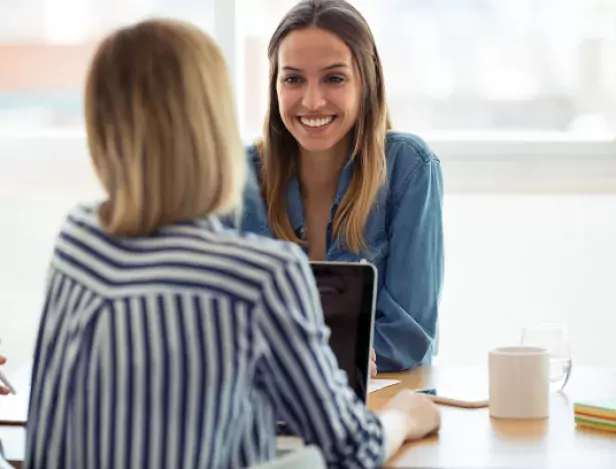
[279,149]
[161,127]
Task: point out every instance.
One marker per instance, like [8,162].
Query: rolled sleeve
[408,301]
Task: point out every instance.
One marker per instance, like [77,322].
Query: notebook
[597,414]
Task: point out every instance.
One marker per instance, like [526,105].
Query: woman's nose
[313,98]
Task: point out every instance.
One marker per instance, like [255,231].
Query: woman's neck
[319,171]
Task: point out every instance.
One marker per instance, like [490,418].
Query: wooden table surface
[469,438]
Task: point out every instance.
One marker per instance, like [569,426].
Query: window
[45,48]
[461,67]
[471,66]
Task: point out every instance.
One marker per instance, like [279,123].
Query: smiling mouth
[317,123]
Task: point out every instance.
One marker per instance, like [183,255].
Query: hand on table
[373,370]
[423,416]
[408,416]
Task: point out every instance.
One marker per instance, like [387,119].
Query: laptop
[348,297]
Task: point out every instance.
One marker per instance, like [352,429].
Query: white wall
[513,260]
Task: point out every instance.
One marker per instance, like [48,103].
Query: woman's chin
[315,145]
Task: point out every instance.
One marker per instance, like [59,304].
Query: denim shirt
[404,238]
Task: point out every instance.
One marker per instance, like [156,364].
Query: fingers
[2,359]
[373,370]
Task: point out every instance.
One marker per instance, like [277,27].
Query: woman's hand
[3,389]
[408,416]
[423,416]
[373,370]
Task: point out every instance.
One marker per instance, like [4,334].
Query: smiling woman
[319,93]
[324,75]
[318,90]
[338,182]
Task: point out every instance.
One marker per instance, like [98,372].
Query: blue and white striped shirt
[181,349]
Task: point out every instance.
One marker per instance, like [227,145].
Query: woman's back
[174,350]
[151,348]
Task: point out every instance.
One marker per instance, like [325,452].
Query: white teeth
[316,122]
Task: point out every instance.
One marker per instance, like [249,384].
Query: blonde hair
[278,148]
[161,126]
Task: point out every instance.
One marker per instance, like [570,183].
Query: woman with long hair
[332,177]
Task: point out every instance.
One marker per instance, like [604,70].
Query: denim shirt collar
[295,209]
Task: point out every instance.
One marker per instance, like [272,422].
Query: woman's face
[318,88]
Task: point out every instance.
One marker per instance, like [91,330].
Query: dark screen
[347,297]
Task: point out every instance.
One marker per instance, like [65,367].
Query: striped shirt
[181,349]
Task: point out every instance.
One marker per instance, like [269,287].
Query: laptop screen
[348,293]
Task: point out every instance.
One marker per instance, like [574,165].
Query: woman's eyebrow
[329,67]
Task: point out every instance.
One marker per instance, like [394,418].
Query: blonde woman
[338,182]
[166,340]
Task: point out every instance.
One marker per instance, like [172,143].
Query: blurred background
[516,98]
[451,65]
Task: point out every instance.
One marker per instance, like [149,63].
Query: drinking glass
[554,338]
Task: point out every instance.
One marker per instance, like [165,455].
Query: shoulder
[253,206]
[408,156]
[252,155]
[190,237]
[83,216]
[253,159]
[408,149]
[187,254]
[272,252]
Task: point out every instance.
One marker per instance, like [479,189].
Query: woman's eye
[292,80]
[335,79]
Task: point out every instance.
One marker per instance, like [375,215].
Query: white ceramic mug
[519,383]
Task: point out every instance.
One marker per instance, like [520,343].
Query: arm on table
[407,305]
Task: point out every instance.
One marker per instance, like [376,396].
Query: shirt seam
[424,154]
[408,179]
